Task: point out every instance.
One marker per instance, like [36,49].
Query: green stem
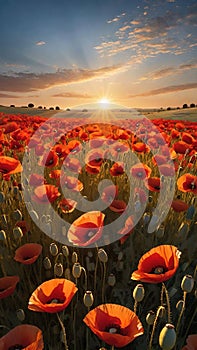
[63,332]
[167,301]
[154,327]
[87,335]
[103,284]
[181,313]
[135,307]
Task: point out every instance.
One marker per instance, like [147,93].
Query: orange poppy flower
[117,169]
[9,166]
[28,253]
[93,170]
[191,342]
[178,205]
[45,193]
[52,296]
[8,285]
[72,183]
[153,184]
[74,146]
[114,324]
[61,150]
[10,127]
[157,265]
[24,336]
[67,205]
[87,229]
[187,183]
[181,147]
[140,171]
[140,147]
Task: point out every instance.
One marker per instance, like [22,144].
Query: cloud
[40,43]
[166,90]
[2,95]
[164,72]
[72,95]
[116,19]
[25,82]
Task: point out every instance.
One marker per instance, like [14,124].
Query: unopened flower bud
[76,270]
[111,280]
[53,249]
[17,232]
[58,269]
[20,315]
[138,293]
[88,298]
[102,255]
[74,257]
[167,337]
[187,283]
[47,263]
[150,318]
[65,250]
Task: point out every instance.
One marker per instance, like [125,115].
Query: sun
[104,100]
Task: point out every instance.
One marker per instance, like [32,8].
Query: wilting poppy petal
[87,229]
[52,296]
[157,265]
[179,205]
[191,342]
[114,324]
[25,336]
[9,166]
[28,253]
[8,285]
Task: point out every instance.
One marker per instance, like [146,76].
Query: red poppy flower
[72,183]
[126,230]
[23,225]
[141,195]
[94,158]
[67,205]
[8,285]
[52,296]
[187,138]
[118,206]
[114,324]
[178,205]
[36,180]
[153,184]
[61,150]
[10,127]
[109,193]
[9,166]
[24,336]
[159,159]
[167,170]
[181,147]
[74,146]
[28,253]
[97,142]
[187,183]
[87,229]
[157,265]
[51,160]
[45,193]
[140,171]
[93,170]
[117,169]
[191,342]
[140,147]
[120,147]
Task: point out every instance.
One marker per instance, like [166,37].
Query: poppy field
[98,226]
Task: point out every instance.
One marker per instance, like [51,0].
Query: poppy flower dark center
[16,347]
[113,329]
[50,161]
[158,270]
[192,186]
[27,257]
[157,187]
[140,173]
[55,301]
[91,234]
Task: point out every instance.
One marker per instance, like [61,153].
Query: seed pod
[17,232]
[150,318]
[34,215]
[47,263]
[76,270]
[67,273]
[58,269]
[160,232]
[187,283]
[111,280]
[53,249]
[20,314]
[2,236]
[74,257]
[2,197]
[88,298]
[17,215]
[167,337]
[65,250]
[190,212]
[138,293]
[15,190]
[102,255]
[4,220]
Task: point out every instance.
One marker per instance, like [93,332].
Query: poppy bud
[180,305]
[150,318]
[53,249]
[20,315]
[65,250]
[190,212]
[58,269]
[2,197]
[47,263]
[4,220]
[102,255]
[67,273]
[138,293]
[17,232]
[88,298]
[167,337]
[74,257]
[15,190]
[17,215]
[76,270]
[187,283]
[2,236]
[111,280]
[160,232]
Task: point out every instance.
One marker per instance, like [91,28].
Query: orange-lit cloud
[166,90]
[161,73]
[73,95]
[40,43]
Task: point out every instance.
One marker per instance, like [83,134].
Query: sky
[139,54]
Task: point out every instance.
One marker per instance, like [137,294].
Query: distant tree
[169,109]
[31,105]
[192,105]
[84,110]
[177,107]
[23,106]
[44,107]
[185,105]
[51,108]
[12,105]
[68,109]
[39,107]
[57,108]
